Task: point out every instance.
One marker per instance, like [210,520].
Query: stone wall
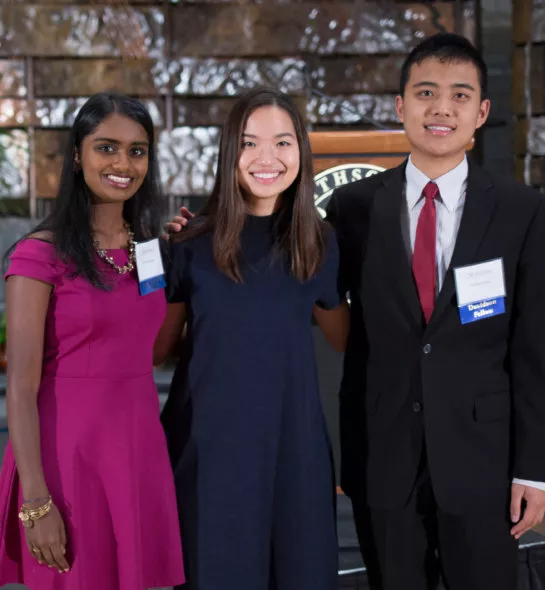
[188,60]
[529,90]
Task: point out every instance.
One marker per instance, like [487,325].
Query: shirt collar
[451,185]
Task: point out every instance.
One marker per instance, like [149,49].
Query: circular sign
[332,178]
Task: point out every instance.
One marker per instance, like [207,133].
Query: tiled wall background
[187,60]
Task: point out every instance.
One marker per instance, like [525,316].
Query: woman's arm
[27,301]
[170,332]
[334,323]
[26,305]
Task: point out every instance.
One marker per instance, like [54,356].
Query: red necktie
[424,258]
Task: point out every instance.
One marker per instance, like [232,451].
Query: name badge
[149,266]
[480,289]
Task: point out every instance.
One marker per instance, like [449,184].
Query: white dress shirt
[449,207]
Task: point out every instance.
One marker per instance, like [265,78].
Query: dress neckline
[265,221]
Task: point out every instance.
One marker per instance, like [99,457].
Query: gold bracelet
[29,515]
[34,500]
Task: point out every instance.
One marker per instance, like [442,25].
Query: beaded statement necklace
[109,260]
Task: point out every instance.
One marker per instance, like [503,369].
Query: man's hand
[179,222]
[534,508]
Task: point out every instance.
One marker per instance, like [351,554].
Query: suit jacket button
[417,407]
[427,349]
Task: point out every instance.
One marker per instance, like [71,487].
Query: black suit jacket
[475,393]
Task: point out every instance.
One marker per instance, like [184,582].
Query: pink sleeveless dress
[103,448]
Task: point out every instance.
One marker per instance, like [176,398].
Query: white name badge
[149,266]
[480,289]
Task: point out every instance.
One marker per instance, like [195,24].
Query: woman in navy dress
[246,431]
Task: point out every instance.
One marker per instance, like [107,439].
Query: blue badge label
[154,284]
[481,310]
[480,290]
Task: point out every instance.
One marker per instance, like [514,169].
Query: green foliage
[2,328]
[14,207]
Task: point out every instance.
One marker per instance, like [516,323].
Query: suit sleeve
[335,220]
[527,355]
[352,390]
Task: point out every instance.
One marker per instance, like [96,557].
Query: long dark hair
[70,220]
[299,229]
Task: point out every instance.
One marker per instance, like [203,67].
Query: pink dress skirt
[103,448]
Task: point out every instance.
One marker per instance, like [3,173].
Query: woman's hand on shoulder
[178,222]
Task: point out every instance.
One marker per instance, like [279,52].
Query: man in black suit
[443,394]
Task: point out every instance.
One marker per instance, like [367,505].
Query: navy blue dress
[246,433]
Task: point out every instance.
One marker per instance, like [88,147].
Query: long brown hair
[300,233]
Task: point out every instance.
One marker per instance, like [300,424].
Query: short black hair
[446,47]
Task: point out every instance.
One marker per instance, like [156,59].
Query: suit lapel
[476,217]
[390,198]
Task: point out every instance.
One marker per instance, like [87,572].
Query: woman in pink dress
[86,445]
